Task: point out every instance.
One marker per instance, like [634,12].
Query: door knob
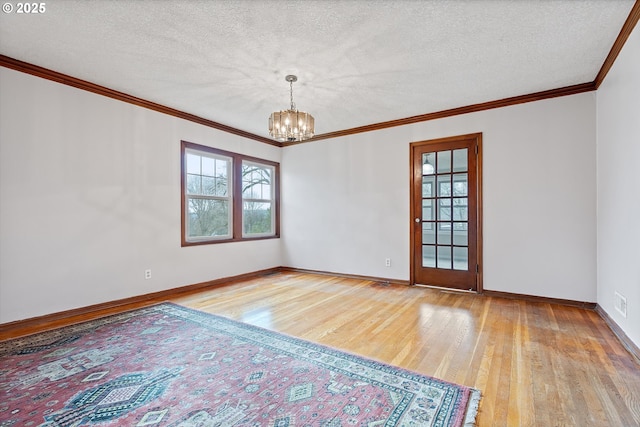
[417,220]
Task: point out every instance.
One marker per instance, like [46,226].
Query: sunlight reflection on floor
[258,317]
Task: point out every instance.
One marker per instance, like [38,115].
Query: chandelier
[291,125]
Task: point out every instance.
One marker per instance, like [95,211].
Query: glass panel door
[444,194]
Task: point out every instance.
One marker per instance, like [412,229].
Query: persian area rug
[167,365]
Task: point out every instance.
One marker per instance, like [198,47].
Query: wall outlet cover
[620,304]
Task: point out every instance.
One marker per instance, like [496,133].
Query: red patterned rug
[168,365]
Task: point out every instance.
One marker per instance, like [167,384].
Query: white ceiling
[358,62]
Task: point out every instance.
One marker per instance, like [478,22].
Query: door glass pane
[428,163]
[460,226]
[444,212]
[444,257]
[428,256]
[444,161]
[460,184]
[460,237]
[460,258]
[460,160]
[444,233]
[444,185]
[427,186]
[428,233]
[459,211]
[428,213]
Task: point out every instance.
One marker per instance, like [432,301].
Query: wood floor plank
[536,364]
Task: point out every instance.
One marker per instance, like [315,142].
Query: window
[227,196]
[257,199]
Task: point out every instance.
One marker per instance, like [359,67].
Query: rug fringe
[472,408]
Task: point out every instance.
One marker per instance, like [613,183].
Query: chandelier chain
[293,106]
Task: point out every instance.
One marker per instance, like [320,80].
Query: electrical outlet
[147,274]
[387,262]
[620,304]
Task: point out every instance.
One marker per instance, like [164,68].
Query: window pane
[208,166]
[221,168]
[459,213]
[460,226]
[208,185]
[221,187]
[193,164]
[428,233]
[460,184]
[460,259]
[460,237]
[444,233]
[460,160]
[444,213]
[214,186]
[428,256]
[428,163]
[256,181]
[427,186]
[460,201]
[444,185]
[444,257]
[257,218]
[428,214]
[194,184]
[208,218]
[444,161]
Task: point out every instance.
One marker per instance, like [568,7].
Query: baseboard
[534,298]
[347,276]
[619,333]
[145,299]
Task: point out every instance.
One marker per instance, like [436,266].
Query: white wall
[618,154]
[90,198]
[346,200]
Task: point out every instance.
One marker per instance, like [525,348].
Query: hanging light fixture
[291,125]
[427,168]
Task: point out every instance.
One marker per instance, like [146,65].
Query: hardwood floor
[536,364]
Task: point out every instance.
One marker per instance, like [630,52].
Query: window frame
[236,205]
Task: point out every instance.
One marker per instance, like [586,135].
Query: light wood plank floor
[536,364]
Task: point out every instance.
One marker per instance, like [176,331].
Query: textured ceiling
[358,62]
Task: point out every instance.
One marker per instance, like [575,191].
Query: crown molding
[55,76]
[505,102]
[626,30]
[65,79]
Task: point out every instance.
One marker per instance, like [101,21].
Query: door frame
[413,214]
